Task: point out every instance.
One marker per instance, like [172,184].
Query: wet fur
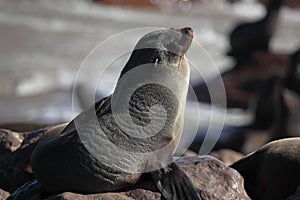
[273,172]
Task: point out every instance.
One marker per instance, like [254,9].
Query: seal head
[164,46]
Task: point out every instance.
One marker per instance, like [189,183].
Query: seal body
[273,172]
[134,130]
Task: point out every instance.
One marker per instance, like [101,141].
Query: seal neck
[292,71]
[270,107]
[138,57]
[272,14]
[273,9]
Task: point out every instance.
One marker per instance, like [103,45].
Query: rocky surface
[9,141]
[15,152]
[212,178]
[130,195]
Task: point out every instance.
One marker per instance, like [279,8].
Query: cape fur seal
[269,122]
[292,80]
[110,152]
[273,172]
[249,37]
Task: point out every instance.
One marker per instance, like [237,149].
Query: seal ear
[174,184]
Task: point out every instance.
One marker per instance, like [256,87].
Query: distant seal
[272,172]
[292,80]
[270,118]
[97,155]
[246,38]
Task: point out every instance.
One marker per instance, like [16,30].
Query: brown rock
[227,156]
[130,195]
[212,178]
[33,190]
[9,141]
[3,194]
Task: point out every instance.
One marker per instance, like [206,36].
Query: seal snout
[186,39]
[187,31]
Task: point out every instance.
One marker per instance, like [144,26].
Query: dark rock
[3,194]
[212,178]
[130,195]
[9,141]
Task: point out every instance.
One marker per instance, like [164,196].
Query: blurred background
[44,42]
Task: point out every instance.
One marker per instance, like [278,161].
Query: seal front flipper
[32,190]
[174,184]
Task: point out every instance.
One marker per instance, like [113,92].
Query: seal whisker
[156,62]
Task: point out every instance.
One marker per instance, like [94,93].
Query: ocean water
[45,42]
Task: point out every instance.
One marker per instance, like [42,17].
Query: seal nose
[187,31]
